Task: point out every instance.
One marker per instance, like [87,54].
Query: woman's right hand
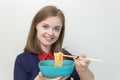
[42,77]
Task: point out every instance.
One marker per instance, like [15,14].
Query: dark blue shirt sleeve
[26,67]
[19,70]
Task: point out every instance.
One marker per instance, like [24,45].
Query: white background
[92,27]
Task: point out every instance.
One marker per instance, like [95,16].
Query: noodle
[58,59]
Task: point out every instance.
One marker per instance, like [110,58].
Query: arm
[86,75]
[26,67]
[19,71]
[81,66]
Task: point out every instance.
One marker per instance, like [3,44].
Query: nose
[50,31]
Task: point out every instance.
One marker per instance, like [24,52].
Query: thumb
[57,78]
[40,74]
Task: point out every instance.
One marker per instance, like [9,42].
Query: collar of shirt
[46,56]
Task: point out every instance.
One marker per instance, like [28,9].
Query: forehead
[52,21]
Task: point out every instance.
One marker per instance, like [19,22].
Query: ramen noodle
[58,59]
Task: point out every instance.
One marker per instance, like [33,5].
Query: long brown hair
[33,44]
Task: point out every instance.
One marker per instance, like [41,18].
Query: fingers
[81,62]
[65,78]
[41,77]
[58,78]
[84,61]
[40,74]
[37,77]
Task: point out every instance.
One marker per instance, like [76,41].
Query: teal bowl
[49,70]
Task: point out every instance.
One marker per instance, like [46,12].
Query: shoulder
[26,58]
[27,63]
[26,55]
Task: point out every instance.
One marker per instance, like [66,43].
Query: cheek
[57,35]
[39,34]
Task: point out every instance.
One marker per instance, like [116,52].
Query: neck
[46,48]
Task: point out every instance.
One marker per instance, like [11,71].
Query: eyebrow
[58,26]
[54,26]
[45,24]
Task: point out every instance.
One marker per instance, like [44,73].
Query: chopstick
[91,59]
[69,56]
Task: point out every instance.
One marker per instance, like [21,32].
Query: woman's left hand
[81,62]
[81,66]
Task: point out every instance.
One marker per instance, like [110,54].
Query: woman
[46,37]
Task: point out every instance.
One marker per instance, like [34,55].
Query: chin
[48,44]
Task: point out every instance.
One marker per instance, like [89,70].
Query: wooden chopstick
[69,56]
[91,59]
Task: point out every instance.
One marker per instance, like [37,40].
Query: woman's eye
[56,29]
[45,27]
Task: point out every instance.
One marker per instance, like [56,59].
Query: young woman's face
[48,30]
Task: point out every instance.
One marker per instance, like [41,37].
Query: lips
[49,39]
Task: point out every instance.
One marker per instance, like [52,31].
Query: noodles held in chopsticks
[58,59]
